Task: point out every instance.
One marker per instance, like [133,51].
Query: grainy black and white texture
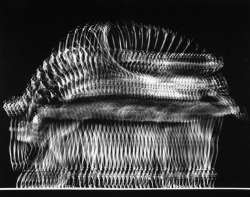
[127,105]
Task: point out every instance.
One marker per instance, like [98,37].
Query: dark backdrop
[30,29]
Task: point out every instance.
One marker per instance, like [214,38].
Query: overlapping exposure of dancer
[127,105]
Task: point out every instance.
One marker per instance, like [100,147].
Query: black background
[30,29]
